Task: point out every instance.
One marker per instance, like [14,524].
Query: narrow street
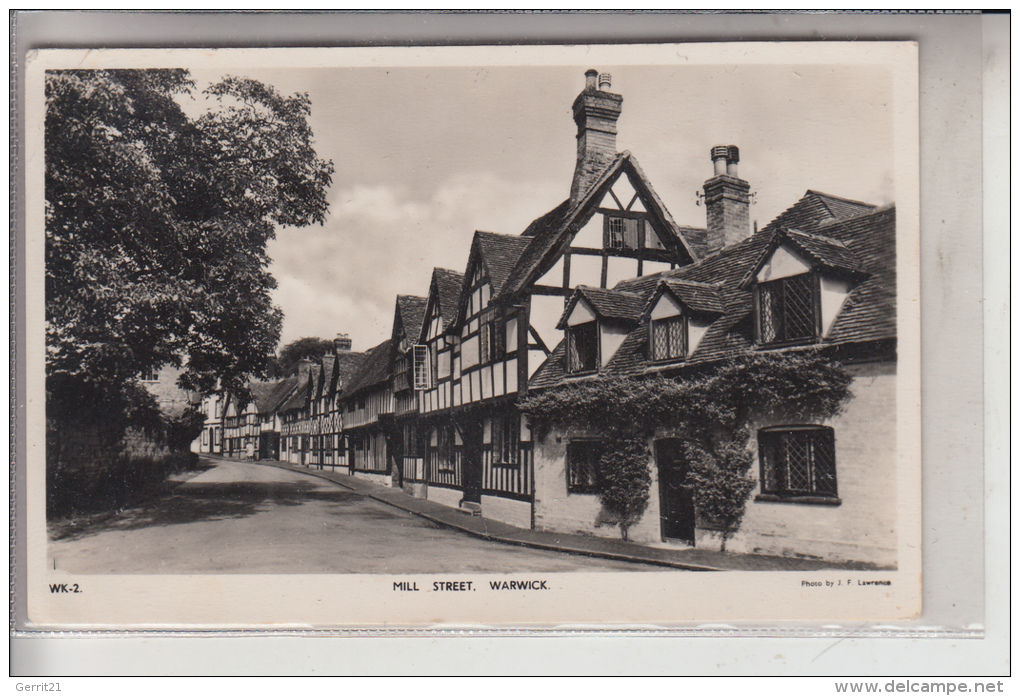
[239,517]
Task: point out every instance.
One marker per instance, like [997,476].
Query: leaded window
[421,367]
[668,338]
[788,309]
[623,232]
[583,347]
[798,461]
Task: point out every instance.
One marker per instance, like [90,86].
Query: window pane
[795,462]
[799,307]
[787,309]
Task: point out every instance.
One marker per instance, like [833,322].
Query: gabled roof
[373,371]
[298,398]
[328,381]
[607,304]
[446,286]
[346,365]
[823,252]
[698,297]
[499,253]
[868,314]
[269,395]
[551,233]
[411,313]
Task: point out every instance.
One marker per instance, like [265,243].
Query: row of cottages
[608,284]
[297,419]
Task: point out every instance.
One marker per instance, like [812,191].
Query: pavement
[685,558]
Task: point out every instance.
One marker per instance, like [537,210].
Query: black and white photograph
[470,335]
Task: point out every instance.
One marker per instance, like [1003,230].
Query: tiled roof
[412,314]
[281,390]
[346,365]
[551,233]
[299,397]
[500,253]
[448,286]
[608,304]
[700,297]
[816,209]
[868,314]
[824,252]
[373,371]
[328,382]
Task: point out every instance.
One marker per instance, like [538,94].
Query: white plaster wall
[588,237]
[833,295]
[382,479]
[558,511]
[580,314]
[515,512]
[665,307]
[620,268]
[696,330]
[863,526]
[612,337]
[783,264]
[587,270]
[445,496]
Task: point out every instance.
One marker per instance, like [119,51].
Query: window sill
[798,499]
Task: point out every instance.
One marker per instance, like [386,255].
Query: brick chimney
[595,113]
[727,200]
[304,368]
[341,344]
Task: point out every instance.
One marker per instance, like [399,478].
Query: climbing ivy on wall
[713,411]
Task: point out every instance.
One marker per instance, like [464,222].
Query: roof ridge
[823,194]
[820,237]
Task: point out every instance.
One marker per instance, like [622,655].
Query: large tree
[307,348]
[157,222]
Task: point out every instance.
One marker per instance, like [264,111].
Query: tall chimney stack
[341,344]
[304,368]
[595,113]
[727,200]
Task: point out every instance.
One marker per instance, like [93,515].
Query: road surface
[240,517]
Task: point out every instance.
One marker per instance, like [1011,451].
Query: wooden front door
[676,500]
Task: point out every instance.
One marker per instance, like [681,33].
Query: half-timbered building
[406,442]
[480,357]
[367,403]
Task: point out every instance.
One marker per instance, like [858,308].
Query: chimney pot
[605,82]
[727,200]
[595,113]
[342,343]
[732,157]
[720,153]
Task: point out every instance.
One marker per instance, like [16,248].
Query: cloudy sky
[425,156]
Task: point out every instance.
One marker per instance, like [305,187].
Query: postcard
[615,337]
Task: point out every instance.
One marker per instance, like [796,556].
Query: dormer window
[583,347]
[788,309]
[668,338]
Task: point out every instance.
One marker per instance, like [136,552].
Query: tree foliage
[157,222]
[286,362]
[712,410]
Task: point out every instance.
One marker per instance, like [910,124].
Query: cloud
[379,241]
